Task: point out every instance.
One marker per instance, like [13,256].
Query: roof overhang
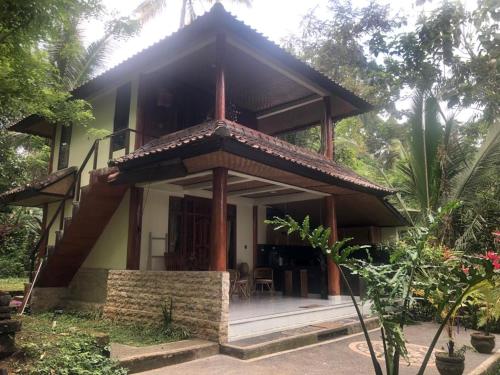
[34,125]
[52,188]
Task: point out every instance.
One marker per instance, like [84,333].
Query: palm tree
[436,171]
[76,63]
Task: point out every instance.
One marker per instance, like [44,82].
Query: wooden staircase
[90,215]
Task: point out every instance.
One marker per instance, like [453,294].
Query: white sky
[276,19]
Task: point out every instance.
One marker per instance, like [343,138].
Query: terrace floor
[263,314]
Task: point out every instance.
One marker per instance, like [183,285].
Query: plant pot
[447,365]
[482,342]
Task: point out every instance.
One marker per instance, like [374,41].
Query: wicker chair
[237,285]
[264,277]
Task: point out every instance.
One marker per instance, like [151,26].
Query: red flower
[465,269]
[494,258]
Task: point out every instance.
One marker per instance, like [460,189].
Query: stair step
[294,338]
[152,357]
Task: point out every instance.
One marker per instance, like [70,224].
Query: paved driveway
[344,356]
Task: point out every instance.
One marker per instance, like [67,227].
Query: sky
[276,19]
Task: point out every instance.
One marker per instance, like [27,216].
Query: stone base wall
[200,299]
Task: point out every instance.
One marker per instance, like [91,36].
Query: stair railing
[74,189]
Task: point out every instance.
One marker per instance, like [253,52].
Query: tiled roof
[37,185]
[268,144]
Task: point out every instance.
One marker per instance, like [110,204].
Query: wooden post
[327,130]
[134,228]
[218,234]
[255,221]
[333,270]
[220,84]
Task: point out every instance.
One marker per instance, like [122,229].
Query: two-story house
[178,192]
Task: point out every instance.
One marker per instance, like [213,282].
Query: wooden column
[134,229]
[333,270]
[255,220]
[218,233]
[327,140]
[220,84]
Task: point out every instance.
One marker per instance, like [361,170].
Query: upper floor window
[63,159]
[122,110]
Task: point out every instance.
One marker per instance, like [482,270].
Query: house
[178,191]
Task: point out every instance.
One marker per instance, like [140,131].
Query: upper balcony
[216,69]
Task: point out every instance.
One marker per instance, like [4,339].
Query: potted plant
[452,361]
[487,299]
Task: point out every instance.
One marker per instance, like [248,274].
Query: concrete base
[294,338]
[151,357]
[47,299]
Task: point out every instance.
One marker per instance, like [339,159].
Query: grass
[12,284]
[46,338]
[134,335]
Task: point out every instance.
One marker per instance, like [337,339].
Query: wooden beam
[134,229]
[255,178]
[218,234]
[331,222]
[220,84]
[285,107]
[263,189]
[327,130]
[208,184]
[276,65]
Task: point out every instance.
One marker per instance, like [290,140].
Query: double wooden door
[189,234]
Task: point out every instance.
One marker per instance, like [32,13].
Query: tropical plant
[486,297]
[421,263]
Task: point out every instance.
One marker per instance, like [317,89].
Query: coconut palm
[435,171]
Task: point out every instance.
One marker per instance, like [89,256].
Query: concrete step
[138,359]
[294,338]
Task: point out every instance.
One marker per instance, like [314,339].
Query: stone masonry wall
[200,299]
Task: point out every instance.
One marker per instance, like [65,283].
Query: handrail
[75,188]
[45,234]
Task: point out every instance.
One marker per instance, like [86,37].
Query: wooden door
[189,234]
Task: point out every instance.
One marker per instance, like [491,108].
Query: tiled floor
[267,305]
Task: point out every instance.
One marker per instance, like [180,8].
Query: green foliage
[486,297]
[77,354]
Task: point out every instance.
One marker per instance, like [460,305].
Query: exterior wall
[200,300]
[154,221]
[83,137]
[244,234]
[110,250]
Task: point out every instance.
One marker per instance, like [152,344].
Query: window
[62,161]
[122,110]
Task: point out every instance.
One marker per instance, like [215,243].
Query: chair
[237,285]
[264,277]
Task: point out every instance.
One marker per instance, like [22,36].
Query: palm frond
[486,160]
[148,9]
